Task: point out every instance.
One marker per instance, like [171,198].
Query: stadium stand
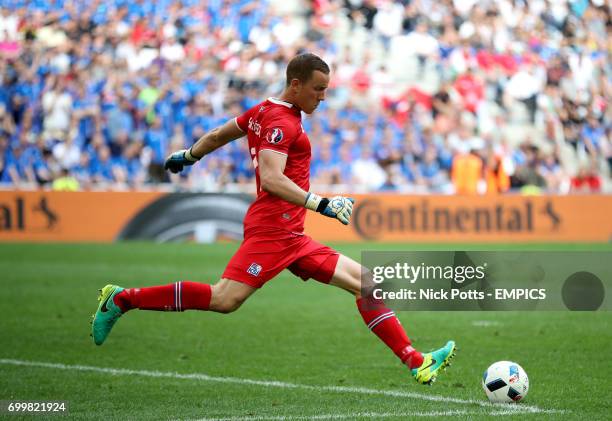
[426,96]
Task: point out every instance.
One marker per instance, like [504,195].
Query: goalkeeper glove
[337,207]
[177,160]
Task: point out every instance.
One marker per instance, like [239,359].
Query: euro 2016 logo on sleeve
[254,269]
[275,136]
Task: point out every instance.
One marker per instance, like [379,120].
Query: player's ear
[295,85]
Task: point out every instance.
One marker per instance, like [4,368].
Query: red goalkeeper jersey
[277,126]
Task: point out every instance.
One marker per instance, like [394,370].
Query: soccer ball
[505,381]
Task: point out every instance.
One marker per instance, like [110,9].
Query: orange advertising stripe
[68,216]
[441,219]
[101,216]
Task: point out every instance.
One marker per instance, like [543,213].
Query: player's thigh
[260,258]
[228,295]
[314,260]
[347,275]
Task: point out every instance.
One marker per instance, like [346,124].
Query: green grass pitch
[294,350]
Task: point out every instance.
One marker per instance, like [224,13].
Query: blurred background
[426,96]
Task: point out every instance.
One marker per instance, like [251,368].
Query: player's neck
[288,98]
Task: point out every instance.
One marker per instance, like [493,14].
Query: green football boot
[433,362]
[107,314]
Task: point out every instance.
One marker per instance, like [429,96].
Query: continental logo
[34,214]
[373,219]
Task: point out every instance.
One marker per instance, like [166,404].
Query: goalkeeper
[274,236]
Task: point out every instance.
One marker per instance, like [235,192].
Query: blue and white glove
[179,159]
[338,207]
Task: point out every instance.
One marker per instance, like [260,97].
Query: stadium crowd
[426,96]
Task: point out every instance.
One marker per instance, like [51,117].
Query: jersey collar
[294,108]
[279,102]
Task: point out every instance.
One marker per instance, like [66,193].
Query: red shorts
[263,256]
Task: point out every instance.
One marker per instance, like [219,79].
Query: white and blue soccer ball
[505,381]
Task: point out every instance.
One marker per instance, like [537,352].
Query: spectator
[388,21]
[325,170]
[525,87]
[526,177]
[587,180]
[423,44]
[57,106]
[4,174]
[556,179]
[496,177]
[82,171]
[9,23]
[471,89]
[366,171]
[65,182]
[466,173]
[286,32]
[430,173]
[593,136]
[67,153]
[155,140]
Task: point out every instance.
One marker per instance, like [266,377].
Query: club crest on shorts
[275,136]
[254,269]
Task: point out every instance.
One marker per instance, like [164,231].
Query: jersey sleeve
[279,135]
[242,121]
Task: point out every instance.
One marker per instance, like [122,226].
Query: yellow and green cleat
[433,362]
[107,314]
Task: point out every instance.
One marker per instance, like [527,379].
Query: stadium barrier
[157,216]
[499,218]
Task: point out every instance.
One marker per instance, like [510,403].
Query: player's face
[311,93]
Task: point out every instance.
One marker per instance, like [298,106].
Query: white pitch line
[485,323]
[370,415]
[283,385]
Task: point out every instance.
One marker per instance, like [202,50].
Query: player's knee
[353,288]
[349,283]
[347,276]
[224,299]
[225,302]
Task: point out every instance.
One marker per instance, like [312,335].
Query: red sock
[178,296]
[383,322]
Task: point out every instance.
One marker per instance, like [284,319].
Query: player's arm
[274,181]
[209,142]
